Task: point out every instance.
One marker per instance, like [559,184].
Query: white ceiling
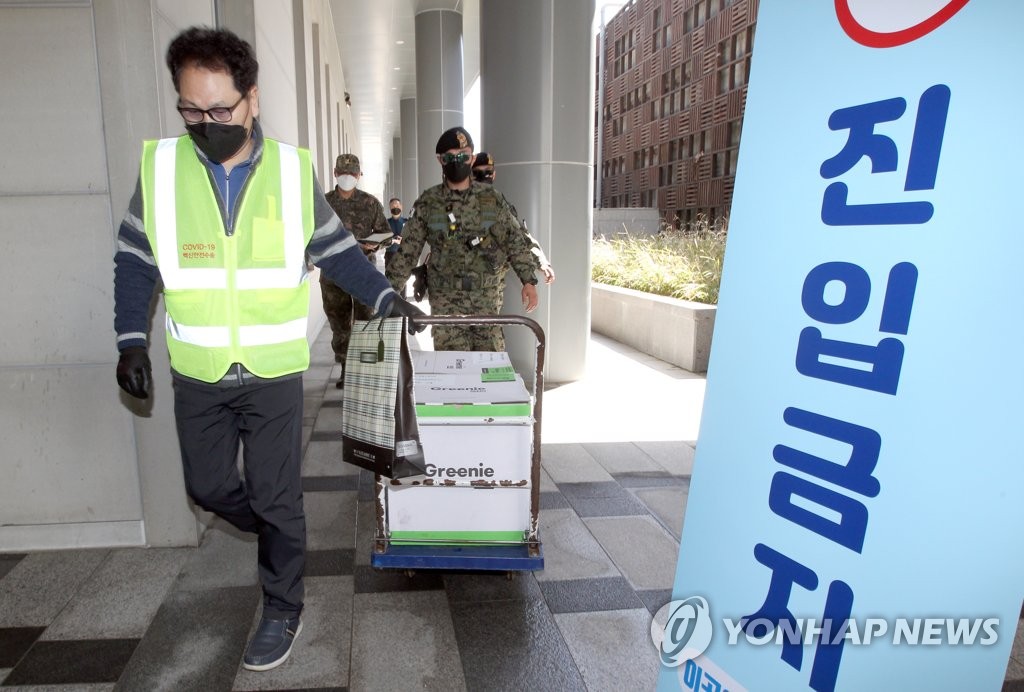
[377,43]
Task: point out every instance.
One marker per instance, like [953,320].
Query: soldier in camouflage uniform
[362,214]
[483,172]
[474,239]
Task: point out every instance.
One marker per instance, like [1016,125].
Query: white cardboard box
[476,435]
[458,510]
[476,454]
[458,362]
[465,399]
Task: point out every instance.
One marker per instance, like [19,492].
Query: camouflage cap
[454,138]
[347,163]
[483,159]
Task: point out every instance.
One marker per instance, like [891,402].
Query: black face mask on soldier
[456,167]
[456,172]
[218,141]
[482,176]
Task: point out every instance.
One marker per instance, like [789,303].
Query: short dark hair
[394,199]
[218,50]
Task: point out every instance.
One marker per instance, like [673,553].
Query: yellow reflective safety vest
[240,298]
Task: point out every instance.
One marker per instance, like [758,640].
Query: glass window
[723,79]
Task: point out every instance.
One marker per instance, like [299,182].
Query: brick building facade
[675,80]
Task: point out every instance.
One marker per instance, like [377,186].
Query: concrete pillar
[396,169]
[238,17]
[537,99]
[438,82]
[410,171]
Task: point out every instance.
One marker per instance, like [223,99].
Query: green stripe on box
[430,537]
[472,410]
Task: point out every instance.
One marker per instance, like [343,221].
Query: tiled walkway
[617,454]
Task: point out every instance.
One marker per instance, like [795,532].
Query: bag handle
[380,334]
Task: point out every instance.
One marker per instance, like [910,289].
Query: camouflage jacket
[474,239]
[362,214]
[534,243]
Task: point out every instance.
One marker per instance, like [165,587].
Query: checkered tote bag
[378,425]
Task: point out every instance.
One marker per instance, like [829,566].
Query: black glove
[400,307]
[134,372]
[419,283]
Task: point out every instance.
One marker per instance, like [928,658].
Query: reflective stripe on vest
[242,298]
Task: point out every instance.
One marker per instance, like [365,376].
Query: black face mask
[218,141]
[456,172]
[396,212]
[483,176]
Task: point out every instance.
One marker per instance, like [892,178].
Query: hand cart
[518,549]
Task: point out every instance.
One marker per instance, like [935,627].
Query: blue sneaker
[271,644]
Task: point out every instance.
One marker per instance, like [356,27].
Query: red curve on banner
[876,39]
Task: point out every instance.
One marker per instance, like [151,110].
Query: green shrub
[684,264]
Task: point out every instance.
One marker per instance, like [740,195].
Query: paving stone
[9,560]
[371,580]
[121,597]
[320,484]
[195,643]
[552,500]
[621,457]
[328,420]
[490,586]
[39,586]
[404,641]
[601,499]
[570,550]
[310,409]
[329,563]
[638,546]
[654,599]
[14,643]
[585,595]
[546,484]
[612,649]
[674,457]
[330,520]
[513,646]
[651,479]
[318,372]
[570,463]
[323,458]
[667,504]
[71,663]
[226,557]
[366,528]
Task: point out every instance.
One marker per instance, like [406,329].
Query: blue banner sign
[858,488]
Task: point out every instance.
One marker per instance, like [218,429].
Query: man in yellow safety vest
[228,220]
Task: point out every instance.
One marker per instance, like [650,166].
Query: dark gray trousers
[266,418]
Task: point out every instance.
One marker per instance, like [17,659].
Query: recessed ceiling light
[400,43]
[397,68]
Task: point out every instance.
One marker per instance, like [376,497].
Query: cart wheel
[410,573]
[510,575]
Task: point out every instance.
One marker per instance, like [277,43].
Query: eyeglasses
[455,158]
[220,114]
